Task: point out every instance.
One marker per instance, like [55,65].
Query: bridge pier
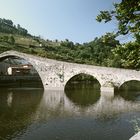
[60,88]
[107,91]
[54,88]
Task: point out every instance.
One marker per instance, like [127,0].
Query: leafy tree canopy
[128,55]
[127,13]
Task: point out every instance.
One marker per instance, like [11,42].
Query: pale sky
[59,19]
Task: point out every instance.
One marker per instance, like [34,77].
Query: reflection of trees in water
[17,110]
[83,90]
[83,94]
[132,85]
[130,90]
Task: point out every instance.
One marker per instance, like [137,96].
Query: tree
[127,13]
[8,22]
[101,48]
[67,43]
[128,55]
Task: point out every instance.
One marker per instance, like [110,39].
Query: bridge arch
[71,77]
[55,74]
[82,89]
[13,54]
[127,80]
[131,84]
[129,90]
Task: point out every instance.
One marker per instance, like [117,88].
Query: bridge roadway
[55,74]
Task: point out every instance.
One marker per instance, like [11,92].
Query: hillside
[104,51]
[14,37]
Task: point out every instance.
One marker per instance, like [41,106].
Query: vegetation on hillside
[104,51]
[7,26]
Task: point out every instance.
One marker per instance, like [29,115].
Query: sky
[59,19]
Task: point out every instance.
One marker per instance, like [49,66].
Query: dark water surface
[78,114]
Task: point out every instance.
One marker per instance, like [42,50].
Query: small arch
[93,77]
[7,56]
[83,89]
[130,85]
[21,58]
[130,90]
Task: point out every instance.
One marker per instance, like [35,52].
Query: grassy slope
[30,45]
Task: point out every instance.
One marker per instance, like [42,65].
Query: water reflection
[34,114]
[57,117]
[54,102]
[130,91]
[84,94]
[129,95]
[17,110]
[9,99]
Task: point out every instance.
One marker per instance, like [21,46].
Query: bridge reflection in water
[105,106]
[40,115]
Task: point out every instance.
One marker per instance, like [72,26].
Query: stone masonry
[55,74]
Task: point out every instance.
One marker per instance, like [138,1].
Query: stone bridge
[55,74]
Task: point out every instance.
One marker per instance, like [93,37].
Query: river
[79,113]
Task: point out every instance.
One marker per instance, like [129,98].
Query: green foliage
[67,43]
[104,15]
[21,30]
[7,26]
[11,40]
[96,52]
[101,48]
[127,13]
[5,38]
[7,21]
[128,54]
[137,36]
